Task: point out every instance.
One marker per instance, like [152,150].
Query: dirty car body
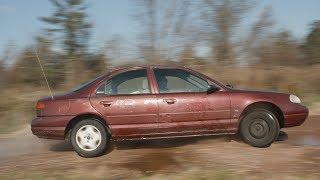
[160,102]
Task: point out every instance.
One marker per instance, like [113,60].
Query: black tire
[101,146]
[259,128]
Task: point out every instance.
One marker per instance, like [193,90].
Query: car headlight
[294,99]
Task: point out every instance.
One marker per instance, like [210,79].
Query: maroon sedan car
[162,102]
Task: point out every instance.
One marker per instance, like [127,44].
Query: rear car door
[126,102]
[181,101]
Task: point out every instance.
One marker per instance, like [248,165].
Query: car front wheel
[89,138]
[259,128]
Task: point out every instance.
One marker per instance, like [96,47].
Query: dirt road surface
[295,156]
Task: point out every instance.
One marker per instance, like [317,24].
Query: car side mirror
[212,89]
[229,86]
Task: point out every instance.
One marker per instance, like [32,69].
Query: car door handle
[106,103]
[169,101]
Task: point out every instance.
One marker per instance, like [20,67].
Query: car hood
[264,92]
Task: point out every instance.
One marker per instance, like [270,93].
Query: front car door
[181,101]
[127,103]
[185,108]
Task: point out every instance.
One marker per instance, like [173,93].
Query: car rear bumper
[52,127]
[48,132]
[297,118]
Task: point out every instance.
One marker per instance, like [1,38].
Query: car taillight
[40,105]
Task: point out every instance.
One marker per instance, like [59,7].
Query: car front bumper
[297,117]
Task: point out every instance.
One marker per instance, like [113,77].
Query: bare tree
[221,19]
[261,26]
[2,74]
[164,28]
[258,32]
[70,19]
[312,44]
[279,49]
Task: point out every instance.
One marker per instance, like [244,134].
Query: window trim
[186,70]
[116,74]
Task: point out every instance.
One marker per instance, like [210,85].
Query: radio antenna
[43,73]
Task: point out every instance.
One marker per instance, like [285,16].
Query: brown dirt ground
[295,156]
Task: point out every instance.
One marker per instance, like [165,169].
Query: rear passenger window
[131,82]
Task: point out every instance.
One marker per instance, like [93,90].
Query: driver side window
[131,82]
[178,80]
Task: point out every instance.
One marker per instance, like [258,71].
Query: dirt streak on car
[162,102]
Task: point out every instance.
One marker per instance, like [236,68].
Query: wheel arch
[81,117]
[265,105]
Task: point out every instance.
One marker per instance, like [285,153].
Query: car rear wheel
[259,128]
[90,138]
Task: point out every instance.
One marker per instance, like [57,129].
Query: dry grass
[17,107]
[304,81]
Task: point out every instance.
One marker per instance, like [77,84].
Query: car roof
[124,68]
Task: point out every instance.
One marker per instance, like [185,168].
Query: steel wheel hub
[88,138]
[259,128]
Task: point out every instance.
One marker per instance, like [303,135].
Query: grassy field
[17,107]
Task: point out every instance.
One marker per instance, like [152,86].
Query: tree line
[172,31]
